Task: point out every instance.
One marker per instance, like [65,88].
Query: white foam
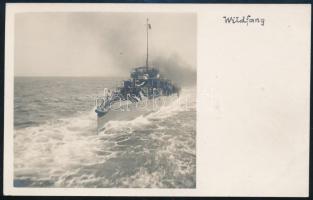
[57,146]
[137,122]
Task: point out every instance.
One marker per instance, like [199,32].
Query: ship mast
[148,26]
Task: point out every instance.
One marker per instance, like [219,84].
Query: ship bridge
[145,73]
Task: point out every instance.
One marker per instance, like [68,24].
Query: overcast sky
[100,44]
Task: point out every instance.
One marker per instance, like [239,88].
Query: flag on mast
[149,26]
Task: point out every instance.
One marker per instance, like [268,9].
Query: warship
[145,91]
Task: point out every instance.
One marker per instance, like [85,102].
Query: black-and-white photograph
[105,100]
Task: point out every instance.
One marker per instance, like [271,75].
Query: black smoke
[176,70]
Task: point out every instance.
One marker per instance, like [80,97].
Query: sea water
[56,144]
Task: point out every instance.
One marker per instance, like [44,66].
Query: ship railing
[104,102]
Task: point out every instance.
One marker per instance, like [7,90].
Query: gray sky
[100,44]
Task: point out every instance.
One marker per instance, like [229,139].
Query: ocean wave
[157,150]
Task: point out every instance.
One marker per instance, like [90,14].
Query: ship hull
[126,110]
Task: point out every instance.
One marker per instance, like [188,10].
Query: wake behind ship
[145,91]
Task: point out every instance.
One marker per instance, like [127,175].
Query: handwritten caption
[248,19]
